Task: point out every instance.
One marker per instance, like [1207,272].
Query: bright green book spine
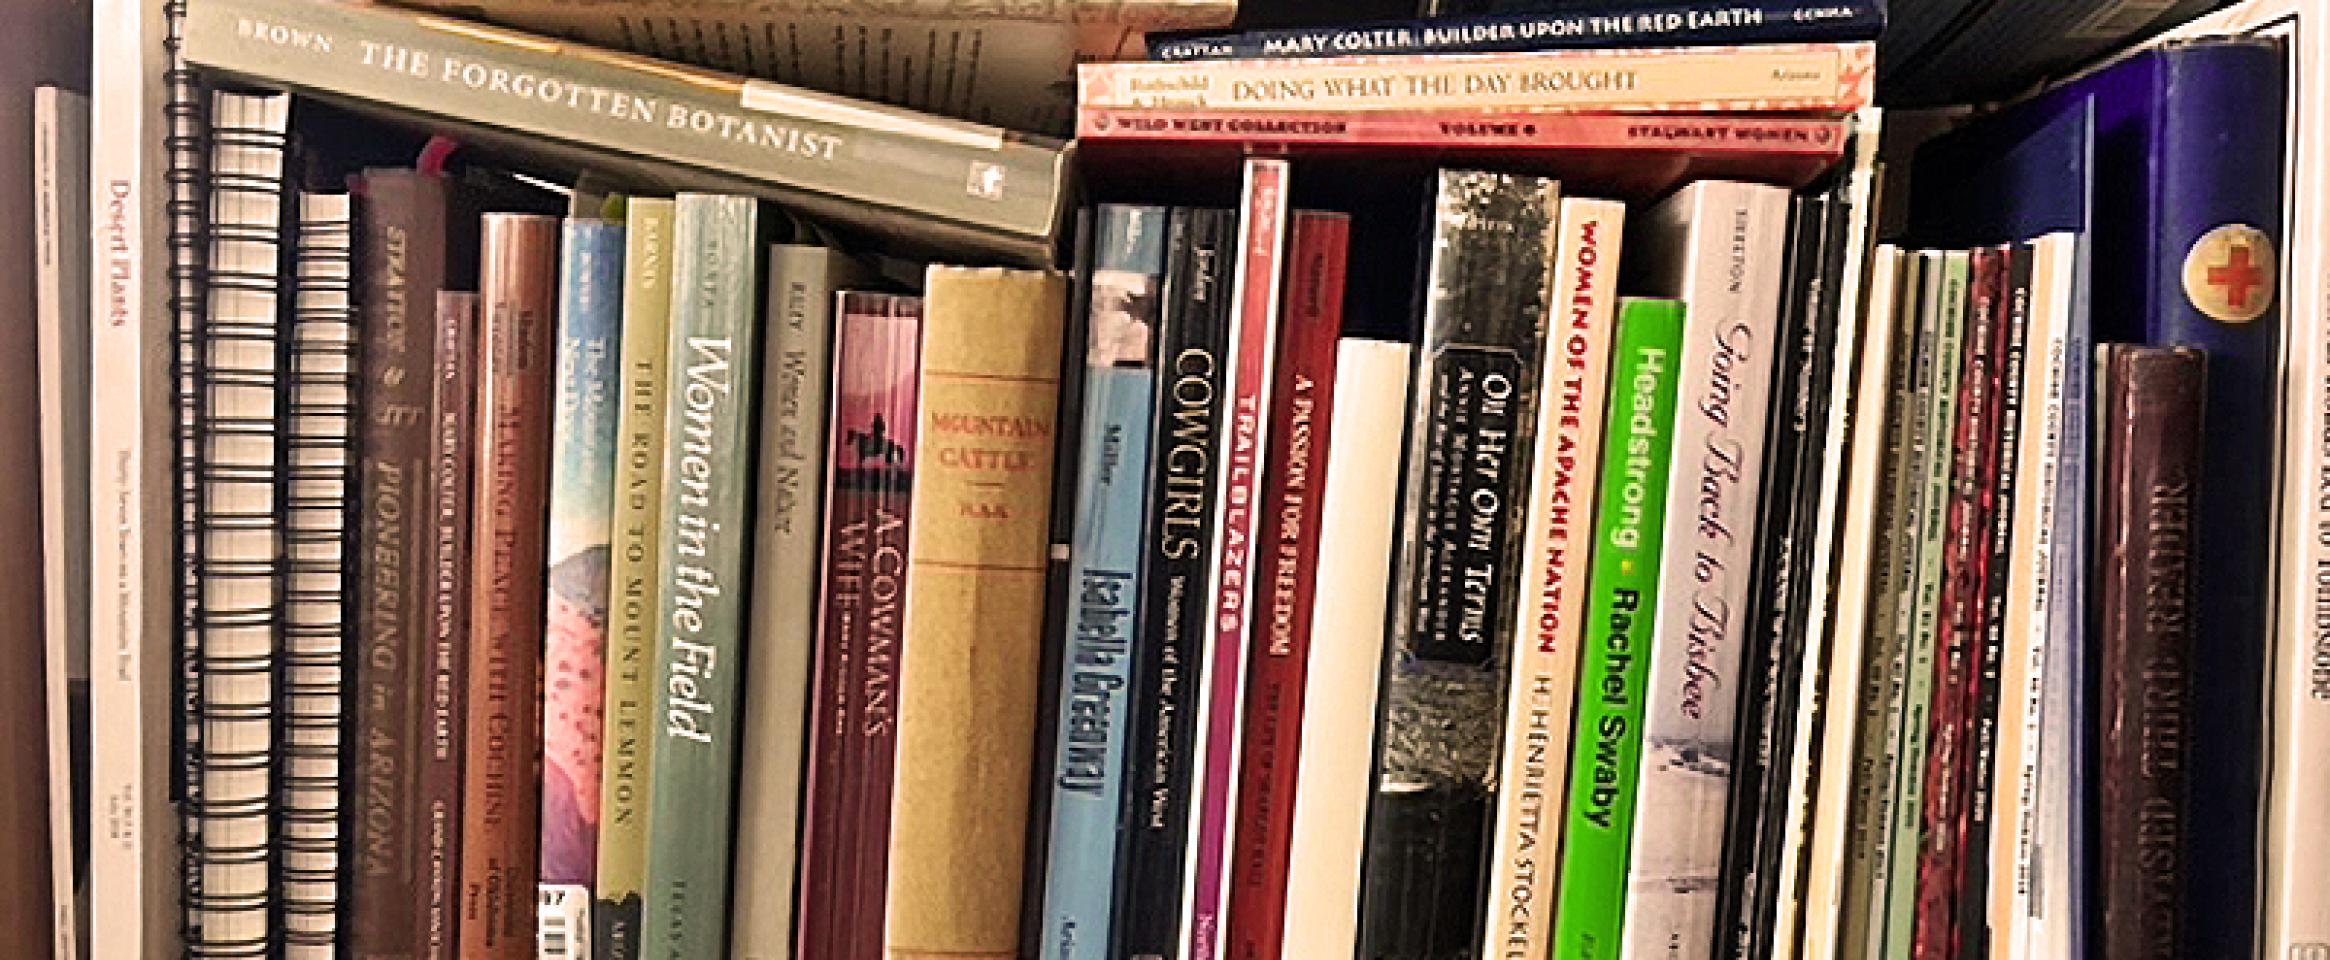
[1621,599]
[635,580]
[707,480]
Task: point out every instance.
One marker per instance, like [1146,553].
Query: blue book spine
[1127,281]
[1709,22]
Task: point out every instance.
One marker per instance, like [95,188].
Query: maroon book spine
[402,248]
[853,705]
[2151,422]
[452,448]
[1963,583]
[1301,407]
[501,776]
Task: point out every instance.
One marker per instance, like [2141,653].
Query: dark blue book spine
[1707,22]
[2216,157]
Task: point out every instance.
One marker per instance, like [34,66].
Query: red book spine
[501,776]
[853,738]
[1302,406]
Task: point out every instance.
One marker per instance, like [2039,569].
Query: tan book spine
[1778,76]
[500,782]
[974,612]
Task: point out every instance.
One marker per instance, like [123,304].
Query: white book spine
[61,166]
[1348,631]
[1728,240]
[2052,865]
[1576,376]
[133,828]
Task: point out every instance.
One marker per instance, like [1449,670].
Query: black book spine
[1439,734]
[1982,739]
[1153,834]
[1798,421]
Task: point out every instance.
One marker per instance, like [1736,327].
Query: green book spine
[1621,588]
[702,546]
[635,580]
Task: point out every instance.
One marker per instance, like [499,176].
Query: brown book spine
[403,267]
[974,612]
[2151,424]
[452,446]
[500,829]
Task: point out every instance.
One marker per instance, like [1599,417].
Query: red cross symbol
[2238,276]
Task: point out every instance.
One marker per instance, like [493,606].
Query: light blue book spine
[1127,279]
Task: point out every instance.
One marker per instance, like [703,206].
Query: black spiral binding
[218,482]
[183,144]
[311,742]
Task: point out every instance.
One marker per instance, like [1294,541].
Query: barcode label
[562,923]
[2116,21]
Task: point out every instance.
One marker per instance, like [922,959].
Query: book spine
[1087,781]
[1692,692]
[1699,134]
[500,804]
[1154,826]
[1576,379]
[870,443]
[2217,182]
[1827,77]
[1286,578]
[1978,384]
[1654,25]
[823,150]
[797,377]
[2054,853]
[449,487]
[1348,610]
[1771,670]
[1493,243]
[701,546]
[1898,904]
[2152,440]
[634,580]
[403,269]
[989,390]
[1621,609]
[582,501]
[1248,365]
[1978,765]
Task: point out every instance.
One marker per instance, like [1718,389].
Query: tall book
[312,737]
[797,383]
[1286,578]
[918,179]
[239,514]
[582,501]
[1621,613]
[2151,424]
[1087,779]
[634,579]
[1248,364]
[1719,246]
[971,637]
[1155,824]
[60,157]
[401,244]
[1574,381]
[869,484]
[717,250]
[1441,723]
[508,561]
[449,508]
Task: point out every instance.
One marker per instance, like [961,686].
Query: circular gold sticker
[2228,274]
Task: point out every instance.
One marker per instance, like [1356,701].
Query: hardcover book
[60,298]
[582,501]
[1621,613]
[451,496]
[717,250]
[1643,25]
[1087,781]
[500,790]
[970,642]
[1441,727]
